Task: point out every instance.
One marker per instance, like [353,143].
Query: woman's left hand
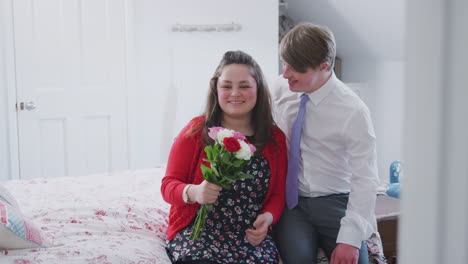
[261,224]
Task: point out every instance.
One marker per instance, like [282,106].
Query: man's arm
[357,225]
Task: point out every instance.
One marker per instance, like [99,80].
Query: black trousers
[314,223]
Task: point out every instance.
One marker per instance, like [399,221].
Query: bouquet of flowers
[227,157]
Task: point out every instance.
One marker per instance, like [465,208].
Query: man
[332,171]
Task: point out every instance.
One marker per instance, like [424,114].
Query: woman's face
[237,91]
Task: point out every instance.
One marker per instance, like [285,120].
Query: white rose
[243,153]
[224,134]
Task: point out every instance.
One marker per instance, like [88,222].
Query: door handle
[30,105]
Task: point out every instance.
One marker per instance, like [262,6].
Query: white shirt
[338,151]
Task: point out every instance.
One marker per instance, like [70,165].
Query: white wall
[381,86]
[168,72]
[174,69]
[363,28]
[4,146]
[389,114]
[8,166]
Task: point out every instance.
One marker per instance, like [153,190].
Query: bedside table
[387,211]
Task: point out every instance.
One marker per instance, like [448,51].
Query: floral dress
[235,210]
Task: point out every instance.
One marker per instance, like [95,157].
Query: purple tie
[294,155]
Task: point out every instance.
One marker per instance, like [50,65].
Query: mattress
[101,218]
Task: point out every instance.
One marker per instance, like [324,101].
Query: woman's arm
[184,152]
[275,199]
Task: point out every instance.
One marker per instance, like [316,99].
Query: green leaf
[208,174]
[216,148]
[215,170]
[205,169]
[212,178]
[238,163]
[208,151]
[245,176]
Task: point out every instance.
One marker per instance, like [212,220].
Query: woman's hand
[204,193]
[261,224]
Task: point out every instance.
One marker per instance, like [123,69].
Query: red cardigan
[183,167]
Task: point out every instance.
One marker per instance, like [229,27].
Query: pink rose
[238,135]
[213,132]
[252,148]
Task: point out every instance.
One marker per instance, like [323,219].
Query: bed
[102,218]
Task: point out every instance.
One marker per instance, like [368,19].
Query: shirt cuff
[349,236]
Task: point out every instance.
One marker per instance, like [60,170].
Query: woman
[236,229]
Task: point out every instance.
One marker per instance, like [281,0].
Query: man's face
[308,81]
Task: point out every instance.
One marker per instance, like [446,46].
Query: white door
[70,70]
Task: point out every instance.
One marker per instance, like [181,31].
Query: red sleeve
[179,165]
[274,202]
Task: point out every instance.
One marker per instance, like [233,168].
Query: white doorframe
[419,237]
[131,80]
[434,199]
[10,82]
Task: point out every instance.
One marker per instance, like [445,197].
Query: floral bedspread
[104,218]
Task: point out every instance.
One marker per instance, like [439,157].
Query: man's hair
[308,45]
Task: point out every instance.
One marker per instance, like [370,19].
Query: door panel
[70,62]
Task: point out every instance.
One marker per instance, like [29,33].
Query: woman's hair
[308,45]
[262,119]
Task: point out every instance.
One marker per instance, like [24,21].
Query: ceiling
[364,29]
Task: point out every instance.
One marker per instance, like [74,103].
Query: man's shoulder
[278,81]
[349,98]
[280,90]
[280,85]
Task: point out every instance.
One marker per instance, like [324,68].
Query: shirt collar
[318,95]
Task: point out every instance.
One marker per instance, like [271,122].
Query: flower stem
[200,220]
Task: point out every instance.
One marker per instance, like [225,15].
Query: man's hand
[261,224]
[345,254]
